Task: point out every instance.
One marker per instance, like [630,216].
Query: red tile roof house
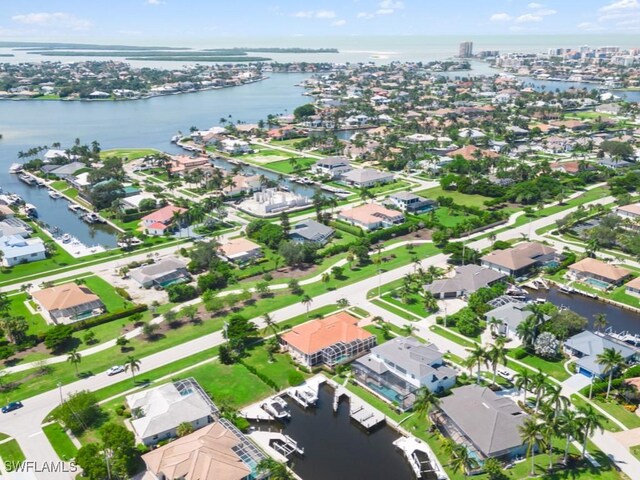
[160,221]
[371,216]
[330,341]
[633,287]
[597,273]
[240,250]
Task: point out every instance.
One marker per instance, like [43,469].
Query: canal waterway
[337,449]
[619,320]
[129,124]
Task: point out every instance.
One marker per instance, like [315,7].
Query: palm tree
[429,302]
[306,300]
[555,399]
[342,303]
[539,386]
[477,358]
[74,358]
[277,470]
[569,427]
[531,434]
[497,355]
[550,429]
[590,421]
[610,359]
[132,365]
[522,380]
[600,321]
[185,428]
[526,331]
[425,400]
[408,329]
[462,460]
[271,326]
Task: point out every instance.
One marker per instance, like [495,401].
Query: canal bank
[619,319]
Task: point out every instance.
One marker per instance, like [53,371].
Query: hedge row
[260,375]
[346,227]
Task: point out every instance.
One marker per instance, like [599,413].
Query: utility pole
[60,391]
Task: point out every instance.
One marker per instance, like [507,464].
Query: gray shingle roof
[468,278]
[311,230]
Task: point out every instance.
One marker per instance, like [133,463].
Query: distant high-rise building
[466,50]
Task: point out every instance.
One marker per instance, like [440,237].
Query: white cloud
[366,15]
[153,2]
[529,18]
[621,5]
[339,23]
[535,5]
[590,27]
[54,20]
[500,17]
[391,5]
[315,14]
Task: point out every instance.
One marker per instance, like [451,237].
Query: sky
[186,22]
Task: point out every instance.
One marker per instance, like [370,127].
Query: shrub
[519,353]
[123,293]
[295,378]
[181,293]
[632,372]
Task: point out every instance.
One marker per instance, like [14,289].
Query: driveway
[576,382]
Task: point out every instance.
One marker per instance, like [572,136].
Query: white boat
[15,168]
[30,210]
[277,408]
[54,194]
[66,238]
[74,207]
[567,290]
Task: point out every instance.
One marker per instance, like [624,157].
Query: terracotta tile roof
[315,335]
[238,245]
[633,209]
[163,215]
[602,269]
[468,152]
[206,454]
[635,283]
[369,213]
[65,296]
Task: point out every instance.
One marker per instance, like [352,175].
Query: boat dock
[420,457]
[367,416]
[255,412]
[306,395]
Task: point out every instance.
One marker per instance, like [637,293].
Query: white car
[505,374]
[115,370]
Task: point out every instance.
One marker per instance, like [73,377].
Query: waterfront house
[234,147]
[181,164]
[398,368]
[240,250]
[14,226]
[311,231]
[242,184]
[371,216]
[161,221]
[629,212]
[411,203]
[17,250]
[597,273]
[163,273]
[471,152]
[520,260]
[586,346]
[68,303]
[68,170]
[466,280]
[218,451]
[367,177]
[633,287]
[488,424]
[157,413]
[330,341]
[510,315]
[332,167]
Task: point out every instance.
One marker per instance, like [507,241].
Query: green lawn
[60,441]
[128,153]
[448,218]
[551,368]
[459,198]
[394,310]
[451,336]
[17,308]
[112,301]
[11,452]
[607,424]
[635,451]
[278,370]
[413,305]
[613,408]
[284,166]
[380,338]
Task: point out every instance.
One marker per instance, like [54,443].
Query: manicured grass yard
[450,336]
[459,198]
[613,408]
[448,218]
[60,441]
[18,308]
[283,166]
[11,452]
[552,368]
[107,293]
[278,370]
[128,153]
[607,424]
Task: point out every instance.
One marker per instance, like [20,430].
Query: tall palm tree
[132,365]
[600,321]
[497,355]
[306,300]
[610,359]
[462,461]
[526,331]
[74,358]
[569,427]
[425,400]
[429,302]
[555,400]
[522,380]
[271,326]
[550,429]
[590,421]
[531,434]
[477,358]
[539,387]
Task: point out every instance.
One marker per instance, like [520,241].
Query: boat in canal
[92,217]
[15,168]
[277,408]
[74,207]
[66,238]
[55,195]
[30,210]
[28,179]
[567,290]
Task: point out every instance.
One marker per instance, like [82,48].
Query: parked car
[505,374]
[10,407]
[115,370]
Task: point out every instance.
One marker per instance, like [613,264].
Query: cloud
[621,5]
[590,27]
[533,5]
[385,7]
[54,20]
[529,18]
[315,14]
[366,15]
[339,23]
[500,17]
[153,2]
